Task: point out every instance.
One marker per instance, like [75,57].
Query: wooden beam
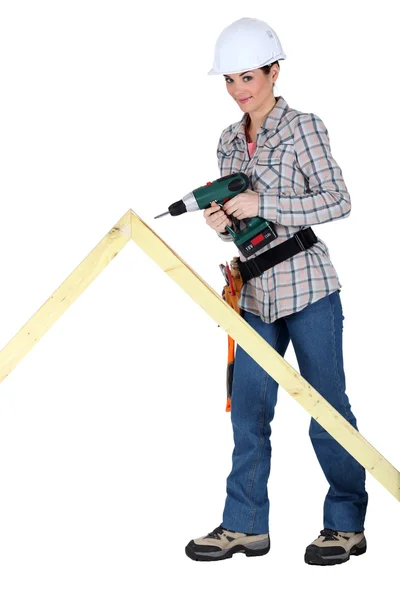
[270,360]
[130,226]
[65,295]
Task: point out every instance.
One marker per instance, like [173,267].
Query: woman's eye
[229,80]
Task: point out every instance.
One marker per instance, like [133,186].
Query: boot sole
[312,557]
[228,554]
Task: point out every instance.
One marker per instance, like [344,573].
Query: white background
[114,441]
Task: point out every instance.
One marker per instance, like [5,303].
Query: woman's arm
[328,198]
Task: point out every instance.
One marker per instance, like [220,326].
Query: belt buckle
[253,267]
[299,242]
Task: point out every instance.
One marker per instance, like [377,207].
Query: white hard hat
[244,45]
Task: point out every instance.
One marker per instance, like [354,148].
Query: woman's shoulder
[294,118]
[301,117]
[295,125]
[229,132]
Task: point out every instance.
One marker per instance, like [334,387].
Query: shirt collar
[270,123]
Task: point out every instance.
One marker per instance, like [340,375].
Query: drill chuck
[187,204]
[177,208]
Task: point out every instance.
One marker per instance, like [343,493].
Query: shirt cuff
[268,206]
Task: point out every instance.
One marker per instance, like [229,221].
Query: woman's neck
[256,119]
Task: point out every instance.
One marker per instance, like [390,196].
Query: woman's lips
[246,99]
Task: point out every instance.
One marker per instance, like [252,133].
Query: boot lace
[216,534]
[329,535]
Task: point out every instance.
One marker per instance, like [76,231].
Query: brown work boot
[335,547]
[223,543]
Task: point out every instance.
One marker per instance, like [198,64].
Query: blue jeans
[316,335]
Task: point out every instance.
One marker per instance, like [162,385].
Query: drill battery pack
[258,241]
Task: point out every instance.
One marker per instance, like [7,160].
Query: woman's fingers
[216,217]
[212,209]
[232,206]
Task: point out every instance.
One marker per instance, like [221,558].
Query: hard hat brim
[281,56]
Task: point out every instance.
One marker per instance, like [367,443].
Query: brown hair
[267,69]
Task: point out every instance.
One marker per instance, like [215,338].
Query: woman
[295,184]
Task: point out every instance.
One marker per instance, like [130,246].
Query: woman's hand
[243,206]
[216,218]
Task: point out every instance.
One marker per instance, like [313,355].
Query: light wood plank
[272,362]
[65,295]
[132,227]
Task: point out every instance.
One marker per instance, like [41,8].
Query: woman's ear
[274,72]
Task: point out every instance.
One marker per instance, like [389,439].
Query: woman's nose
[238,92]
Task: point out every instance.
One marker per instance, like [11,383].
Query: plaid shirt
[299,185]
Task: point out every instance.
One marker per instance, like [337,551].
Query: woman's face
[255,85]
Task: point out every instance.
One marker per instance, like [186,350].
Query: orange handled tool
[230,294]
[229,372]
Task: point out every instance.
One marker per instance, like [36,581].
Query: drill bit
[162,215]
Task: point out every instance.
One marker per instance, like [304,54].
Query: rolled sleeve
[268,206]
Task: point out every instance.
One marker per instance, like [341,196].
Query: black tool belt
[302,240]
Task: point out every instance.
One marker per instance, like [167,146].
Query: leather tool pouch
[233,301]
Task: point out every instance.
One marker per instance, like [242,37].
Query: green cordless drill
[257,232]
